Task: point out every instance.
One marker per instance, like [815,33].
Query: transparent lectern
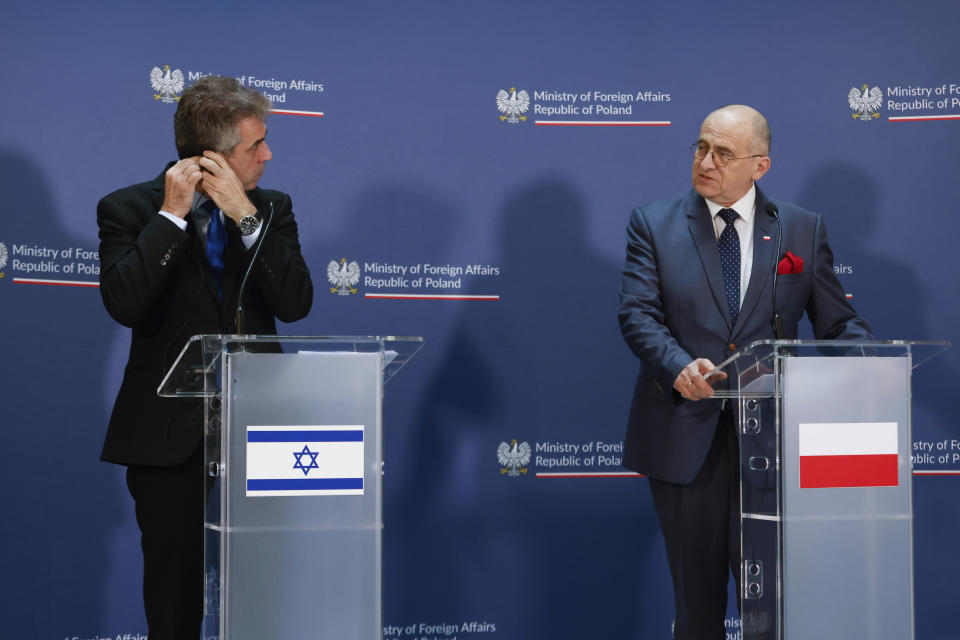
[825,487]
[292,530]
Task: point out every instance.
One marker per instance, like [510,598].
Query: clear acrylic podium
[294,516]
[825,491]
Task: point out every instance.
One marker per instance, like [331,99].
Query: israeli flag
[305,460]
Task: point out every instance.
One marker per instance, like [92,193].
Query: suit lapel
[763,250]
[200,244]
[705,239]
[233,263]
[236,259]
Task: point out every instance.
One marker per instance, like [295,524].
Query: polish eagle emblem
[3,255]
[865,102]
[344,276]
[513,457]
[513,104]
[166,83]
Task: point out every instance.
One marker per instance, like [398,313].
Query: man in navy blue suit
[692,295]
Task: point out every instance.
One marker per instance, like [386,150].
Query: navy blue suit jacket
[673,309]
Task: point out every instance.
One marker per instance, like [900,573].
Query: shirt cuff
[250,240]
[180,222]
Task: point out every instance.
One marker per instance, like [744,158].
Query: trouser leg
[701,529]
[169,509]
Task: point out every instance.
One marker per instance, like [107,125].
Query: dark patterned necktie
[729,245]
[216,241]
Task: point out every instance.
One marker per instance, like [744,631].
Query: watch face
[248,224]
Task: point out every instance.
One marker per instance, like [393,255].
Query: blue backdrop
[411,165]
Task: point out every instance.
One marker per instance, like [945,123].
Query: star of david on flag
[326,460]
[299,463]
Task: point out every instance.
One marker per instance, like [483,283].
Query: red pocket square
[790,263]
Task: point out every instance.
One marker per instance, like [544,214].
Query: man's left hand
[222,186]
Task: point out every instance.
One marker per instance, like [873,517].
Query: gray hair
[208,114]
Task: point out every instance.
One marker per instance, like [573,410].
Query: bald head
[740,114]
[731,153]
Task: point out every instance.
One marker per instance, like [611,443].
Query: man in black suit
[689,300]
[173,252]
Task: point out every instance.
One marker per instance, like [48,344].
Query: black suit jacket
[673,309]
[155,279]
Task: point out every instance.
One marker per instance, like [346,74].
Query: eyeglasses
[720,158]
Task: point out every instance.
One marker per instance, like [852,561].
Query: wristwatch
[249,224]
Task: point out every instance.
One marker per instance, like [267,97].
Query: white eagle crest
[343,276]
[166,83]
[865,104]
[513,104]
[513,457]
[3,255]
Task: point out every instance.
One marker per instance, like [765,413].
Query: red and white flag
[848,454]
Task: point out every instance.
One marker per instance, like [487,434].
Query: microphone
[241,312]
[777,322]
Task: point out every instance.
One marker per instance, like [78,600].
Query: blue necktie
[729,245]
[216,241]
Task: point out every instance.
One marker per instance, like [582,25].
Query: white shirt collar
[744,206]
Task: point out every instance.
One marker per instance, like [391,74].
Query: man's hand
[180,184]
[691,383]
[222,186]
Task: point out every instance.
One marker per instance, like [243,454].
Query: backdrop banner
[478,162]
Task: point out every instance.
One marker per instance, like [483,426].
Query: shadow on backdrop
[889,292]
[897,302]
[531,367]
[63,506]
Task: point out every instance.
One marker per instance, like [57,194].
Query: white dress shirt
[745,208]
[198,200]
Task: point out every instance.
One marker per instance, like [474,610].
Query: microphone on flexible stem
[777,321]
[241,312]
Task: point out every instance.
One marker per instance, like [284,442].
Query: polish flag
[848,454]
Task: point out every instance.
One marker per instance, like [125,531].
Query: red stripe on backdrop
[61,283]
[819,472]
